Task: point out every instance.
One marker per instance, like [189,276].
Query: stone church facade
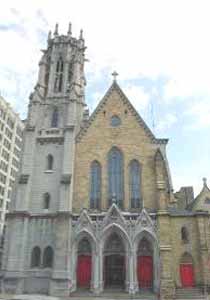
[94,206]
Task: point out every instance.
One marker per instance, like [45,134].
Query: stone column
[95,281]
[132,270]
[101,265]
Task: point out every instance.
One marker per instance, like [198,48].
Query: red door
[145,271]
[84,270]
[187,275]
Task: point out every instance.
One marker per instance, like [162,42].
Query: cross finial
[115,74]
[204,181]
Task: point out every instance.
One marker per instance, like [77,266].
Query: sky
[160,48]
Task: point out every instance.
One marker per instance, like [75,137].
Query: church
[93,207]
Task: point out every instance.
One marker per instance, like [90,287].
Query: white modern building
[11,129]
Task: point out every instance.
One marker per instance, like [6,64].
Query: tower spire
[56,29]
[81,34]
[69,29]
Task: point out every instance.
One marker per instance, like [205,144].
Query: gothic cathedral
[94,208]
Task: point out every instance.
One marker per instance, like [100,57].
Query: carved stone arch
[114,215]
[145,233]
[150,236]
[116,228]
[115,256]
[83,234]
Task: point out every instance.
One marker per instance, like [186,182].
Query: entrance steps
[113,295]
[189,293]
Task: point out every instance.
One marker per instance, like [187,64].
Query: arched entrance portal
[145,264]
[114,262]
[187,271]
[84,262]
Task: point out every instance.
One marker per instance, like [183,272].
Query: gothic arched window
[49,162]
[115,176]
[48,257]
[54,120]
[184,234]
[59,76]
[95,182]
[35,257]
[46,204]
[135,178]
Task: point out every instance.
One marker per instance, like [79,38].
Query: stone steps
[113,295]
[189,293]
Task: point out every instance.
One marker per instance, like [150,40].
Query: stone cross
[115,74]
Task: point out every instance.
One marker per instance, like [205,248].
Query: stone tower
[44,189]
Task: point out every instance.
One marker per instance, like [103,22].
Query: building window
[35,257]
[46,204]
[54,121]
[49,162]
[115,177]
[115,121]
[48,257]
[135,177]
[58,76]
[184,234]
[95,181]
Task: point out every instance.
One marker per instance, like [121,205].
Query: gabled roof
[115,87]
[203,194]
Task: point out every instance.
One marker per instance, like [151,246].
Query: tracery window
[48,257]
[115,177]
[95,189]
[59,76]
[35,257]
[135,178]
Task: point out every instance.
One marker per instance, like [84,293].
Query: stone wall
[130,138]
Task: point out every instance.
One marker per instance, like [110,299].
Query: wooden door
[145,271]
[84,271]
[187,275]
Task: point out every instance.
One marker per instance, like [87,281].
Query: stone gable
[132,137]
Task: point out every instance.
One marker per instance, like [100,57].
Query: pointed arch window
[46,201]
[95,181]
[59,76]
[54,120]
[50,162]
[135,183]
[115,176]
[35,257]
[184,234]
[48,257]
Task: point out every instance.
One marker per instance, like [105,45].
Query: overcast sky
[161,50]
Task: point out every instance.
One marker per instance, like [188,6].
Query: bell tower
[56,113]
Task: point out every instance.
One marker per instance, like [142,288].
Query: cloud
[167,122]
[137,96]
[199,114]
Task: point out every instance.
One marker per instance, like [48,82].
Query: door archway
[114,262]
[145,264]
[187,271]
[84,264]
